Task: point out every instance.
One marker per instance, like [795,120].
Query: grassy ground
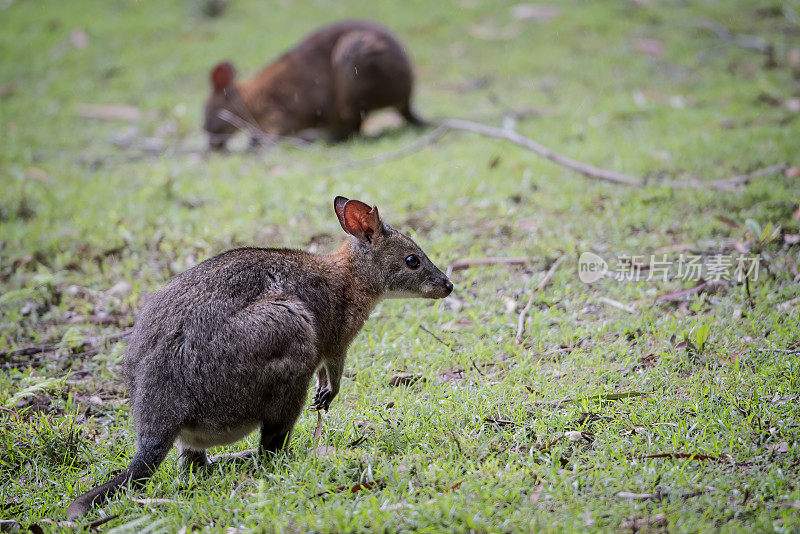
[482,441]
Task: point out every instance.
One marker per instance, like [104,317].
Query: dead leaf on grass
[109,112]
[490,31]
[780,399]
[536,494]
[62,524]
[450,376]
[157,501]
[8,525]
[679,455]
[457,324]
[362,486]
[636,496]
[651,47]
[35,173]
[620,396]
[122,288]
[729,222]
[655,520]
[574,435]
[394,506]
[325,451]
[79,39]
[499,421]
[537,12]
[405,379]
[789,304]
[7,89]
[791,239]
[552,404]
[780,448]
[681,294]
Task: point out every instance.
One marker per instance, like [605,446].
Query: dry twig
[466,263]
[50,347]
[751,42]
[731,184]
[510,135]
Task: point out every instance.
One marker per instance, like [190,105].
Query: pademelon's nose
[448,285]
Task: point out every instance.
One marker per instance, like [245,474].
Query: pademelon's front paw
[322,398]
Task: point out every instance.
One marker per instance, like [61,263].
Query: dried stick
[50,347]
[523,314]
[751,42]
[318,429]
[616,304]
[730,184]
[530,144]
[466,263]
[727,184]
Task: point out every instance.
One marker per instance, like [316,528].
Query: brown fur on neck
[359,287]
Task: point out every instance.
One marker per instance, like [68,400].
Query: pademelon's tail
[147,458]
[411,117]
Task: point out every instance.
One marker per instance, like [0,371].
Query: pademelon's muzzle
[440,289]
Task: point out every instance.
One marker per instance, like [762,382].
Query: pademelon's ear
[358,219]
[338,207]
[222,75]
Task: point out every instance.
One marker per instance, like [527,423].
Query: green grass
[79,215]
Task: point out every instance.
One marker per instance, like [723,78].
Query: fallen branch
[510,135]
[751,42]
[156,501]
[731,184]
[688,456]
[726,184]
[356,487]
[50,347]
[523,314]
[30,351]
[682,295]
[466,263]
[782,351]
[616,304]
[437,338]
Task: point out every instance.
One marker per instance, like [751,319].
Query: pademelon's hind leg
[192,458]
[279,330]
[274,440]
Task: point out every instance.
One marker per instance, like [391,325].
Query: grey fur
[232,344]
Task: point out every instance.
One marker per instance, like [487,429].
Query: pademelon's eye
[412,261]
